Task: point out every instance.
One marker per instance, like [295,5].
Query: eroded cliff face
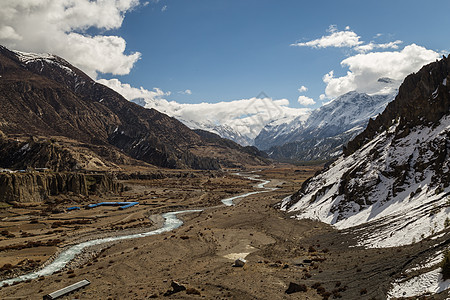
[38,187]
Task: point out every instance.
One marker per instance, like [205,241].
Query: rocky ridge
[44,95]
[395,174]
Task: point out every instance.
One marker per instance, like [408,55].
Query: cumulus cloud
[248,116]
[302,89]
[369,63]
[306,101]
[59,27]
[185,92]
[131,93]
[365,70]
[371,46]
[336,38]
[346,39]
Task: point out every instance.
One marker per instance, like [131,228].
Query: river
[171,222]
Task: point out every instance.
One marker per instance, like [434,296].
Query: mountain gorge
[43,95]
[321,135]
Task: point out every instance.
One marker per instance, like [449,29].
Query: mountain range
[321,134]
[286,134]
[51,108]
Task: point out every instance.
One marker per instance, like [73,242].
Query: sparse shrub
[446,266]
[6,267]
[320,290]
[363,291]
[316,285]
[336,294]
[311,249]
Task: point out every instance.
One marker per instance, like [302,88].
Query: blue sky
[226,50]
[194,51]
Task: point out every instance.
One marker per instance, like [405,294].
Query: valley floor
[201,253]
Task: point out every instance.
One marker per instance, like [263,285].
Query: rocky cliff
[395,175]
[39,186]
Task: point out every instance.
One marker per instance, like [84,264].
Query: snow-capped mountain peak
[321,134]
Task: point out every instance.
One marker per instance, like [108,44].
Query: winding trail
[171,222]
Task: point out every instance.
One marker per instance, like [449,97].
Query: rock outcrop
[39,186]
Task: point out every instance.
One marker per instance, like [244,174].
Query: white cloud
[59,27]
[372,45]
[302,89]
[306,101]
[366,68]
[346,39]
[8,33]
[248,116]
[164,8]
[131,93]
[185,92]
[339,39]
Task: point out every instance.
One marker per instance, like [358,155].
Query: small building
[67,290]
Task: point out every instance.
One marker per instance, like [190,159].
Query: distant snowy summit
[321,134]
[394,176]
[285,134]
[240,120]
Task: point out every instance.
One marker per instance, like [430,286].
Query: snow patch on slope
[412,214]
[27,58]
[430,282]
